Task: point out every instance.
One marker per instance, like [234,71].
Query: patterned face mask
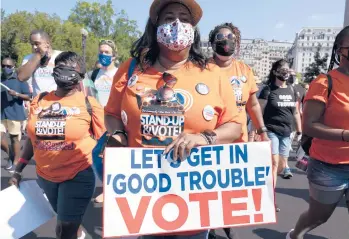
[176,36]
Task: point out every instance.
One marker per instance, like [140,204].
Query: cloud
[315,17]
[279,25]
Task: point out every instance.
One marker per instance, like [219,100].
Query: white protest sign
[215,187]
[4,86]
[23,210]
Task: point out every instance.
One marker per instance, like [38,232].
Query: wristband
[22,160]
[343,139]
[262,130]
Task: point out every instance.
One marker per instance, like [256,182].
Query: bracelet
[206,138]
[120,132]
[22,160]
[343,139]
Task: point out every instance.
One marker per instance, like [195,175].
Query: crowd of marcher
[62,110]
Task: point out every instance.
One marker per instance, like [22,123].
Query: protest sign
[146,192]
[23,210]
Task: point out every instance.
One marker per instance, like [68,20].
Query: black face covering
[225,47]
[66,77]
[291,80]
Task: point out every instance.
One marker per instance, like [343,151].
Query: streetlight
[84,34]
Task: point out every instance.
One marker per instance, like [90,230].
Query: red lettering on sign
[229,207]
[203,199]
[133,223]
[182,215]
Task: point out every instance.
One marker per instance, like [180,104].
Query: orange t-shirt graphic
[59,129]
[336,116]
[241,78]
[202,101]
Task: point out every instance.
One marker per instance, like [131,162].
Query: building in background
[261,54]
[257,53]
[306,43]
[346,13]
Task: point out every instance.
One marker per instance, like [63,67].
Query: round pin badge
[202,89]
[208,112]
[124,117]
[132,81]
[243,79]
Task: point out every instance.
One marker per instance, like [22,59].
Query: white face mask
[224,58]
[176,35]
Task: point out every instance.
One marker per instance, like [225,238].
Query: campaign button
[208,113]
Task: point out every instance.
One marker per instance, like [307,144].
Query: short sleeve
[97,118]
[26,59]
[318,89]
[265,92]
[113,106]
[25,89]
[229,112]
[252,82]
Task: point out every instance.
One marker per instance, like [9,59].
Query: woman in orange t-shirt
[172,100]
[326,118]
[60,129]
[225,41]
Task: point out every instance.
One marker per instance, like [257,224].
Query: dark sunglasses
[7,66]
[221,36]
[166,92]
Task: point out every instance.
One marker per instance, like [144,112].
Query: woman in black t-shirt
[279,102]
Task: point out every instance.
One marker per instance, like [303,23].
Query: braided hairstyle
[234,29]
[336,45]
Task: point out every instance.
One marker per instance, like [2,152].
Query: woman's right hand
[15,179]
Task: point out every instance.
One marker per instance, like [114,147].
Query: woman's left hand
[183,145]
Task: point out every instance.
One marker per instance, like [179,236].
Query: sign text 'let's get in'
[216,186]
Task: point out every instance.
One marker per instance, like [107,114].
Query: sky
[267,19]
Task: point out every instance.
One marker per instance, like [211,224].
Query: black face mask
[225,47]
[66,77]
[291,80]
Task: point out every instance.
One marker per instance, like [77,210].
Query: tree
[99,19]
[102,20]
[96,17]
[317,67]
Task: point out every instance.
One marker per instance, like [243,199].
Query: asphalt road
[291,195]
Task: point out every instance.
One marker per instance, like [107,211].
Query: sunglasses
[221,36]
[166,92]
[7,66]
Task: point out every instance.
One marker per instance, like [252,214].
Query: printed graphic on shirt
[286,101]
[51,121]
[237,82]
[161,122]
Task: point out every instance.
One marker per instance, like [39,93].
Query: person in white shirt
[104,78]
[37,68]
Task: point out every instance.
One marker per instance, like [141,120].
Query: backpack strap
[330,85]
[88,106]
[131,68]
[94,74]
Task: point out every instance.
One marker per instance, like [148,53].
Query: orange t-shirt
[204,101]
[59,131]
[336,116]
[241,78]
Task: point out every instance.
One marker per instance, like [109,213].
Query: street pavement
[291,195]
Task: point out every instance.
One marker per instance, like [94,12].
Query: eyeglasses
[166,92]
[221,36]
[7,66]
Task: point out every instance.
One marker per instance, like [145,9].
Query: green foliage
[317,67]
[99,19]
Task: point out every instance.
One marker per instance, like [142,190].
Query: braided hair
[235,31]
[336,45]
